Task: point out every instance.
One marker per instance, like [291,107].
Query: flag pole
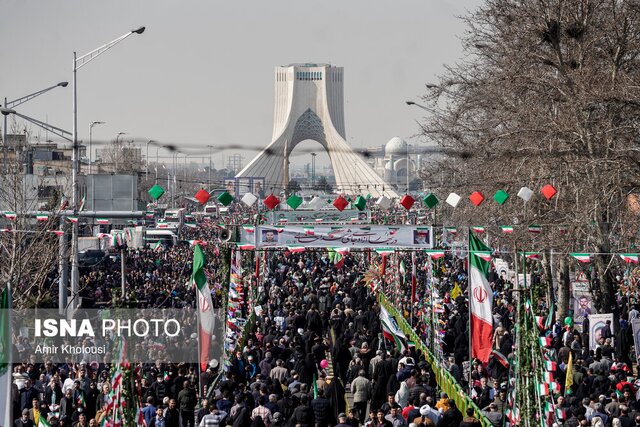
[469,295]
[413,283]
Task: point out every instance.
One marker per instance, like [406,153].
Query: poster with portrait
[269,237]
[596,323]
[635,325]
[582,307]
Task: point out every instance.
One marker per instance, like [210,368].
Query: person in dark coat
[242,417]
[335,393]
[322,410]
[303,414]
[27,394]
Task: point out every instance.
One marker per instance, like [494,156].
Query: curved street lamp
[10,105]
[79,62]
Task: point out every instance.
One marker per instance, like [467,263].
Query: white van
[167,237]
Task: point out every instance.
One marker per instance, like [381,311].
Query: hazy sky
[202,73]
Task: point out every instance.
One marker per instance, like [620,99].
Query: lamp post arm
[88,57]
[55,130]
[19,101]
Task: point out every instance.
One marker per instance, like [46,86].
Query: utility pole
[63,269]
[123,271]
[313,169]
[210,167]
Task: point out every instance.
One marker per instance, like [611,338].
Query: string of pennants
[360,202]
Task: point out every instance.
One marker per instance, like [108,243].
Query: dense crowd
[316,356]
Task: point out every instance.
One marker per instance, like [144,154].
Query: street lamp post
[90,143]
[157,158]
[146,176]
[79,62]
[313,169]
[15,103]
[210,167]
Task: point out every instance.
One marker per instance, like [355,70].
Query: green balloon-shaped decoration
[568,321]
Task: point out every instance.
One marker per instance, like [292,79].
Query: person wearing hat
[342,420]
[429,415]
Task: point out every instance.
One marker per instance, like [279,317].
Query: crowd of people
[316,355]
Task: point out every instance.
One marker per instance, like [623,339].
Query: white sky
[202,73]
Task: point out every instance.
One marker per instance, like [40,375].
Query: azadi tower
[310,105]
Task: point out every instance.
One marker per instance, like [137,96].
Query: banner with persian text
[329,216]
[350,236]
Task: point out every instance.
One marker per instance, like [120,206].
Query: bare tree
[548,93]
[28,249]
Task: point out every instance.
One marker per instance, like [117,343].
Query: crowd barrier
[445,380]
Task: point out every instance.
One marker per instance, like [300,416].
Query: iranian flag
[508,229]
[385,251]
[543,389]
[582,257]
[42,421]
[10,215]
[157,246]
[102,221]
[481,300]
[249,228]
[72,218]
[451,230]
[534,229]
[336,255]
[532,255]
[391,331]
[205,306]
[545,341]
[308,230]
[295,249]
[5,358]
[56,232]
[434,254]
[629,258]
[550,365]
[478,229]
[42,217]
[540,322]
[246,246]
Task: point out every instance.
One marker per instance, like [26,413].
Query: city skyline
[202,73]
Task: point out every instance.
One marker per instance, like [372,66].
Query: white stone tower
[309,104]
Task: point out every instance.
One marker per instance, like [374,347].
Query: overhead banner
[635,325]
[352,216]
[352,236]
[597,322]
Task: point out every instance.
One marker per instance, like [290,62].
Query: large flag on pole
[205,306]
[5,359]
[480,299]
[391,330]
